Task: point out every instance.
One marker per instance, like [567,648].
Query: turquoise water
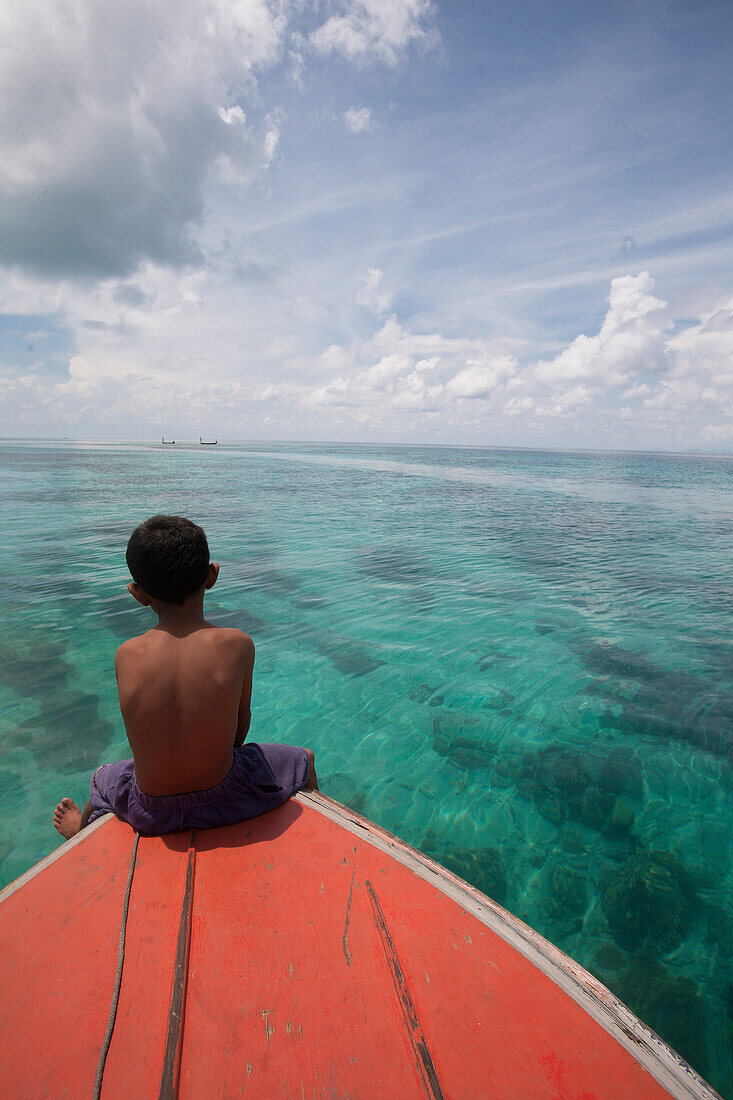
[518,661]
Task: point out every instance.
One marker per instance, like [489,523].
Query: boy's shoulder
[215,637]
[228,637]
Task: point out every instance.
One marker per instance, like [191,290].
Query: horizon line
[689,453]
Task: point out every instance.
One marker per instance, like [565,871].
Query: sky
[387,221]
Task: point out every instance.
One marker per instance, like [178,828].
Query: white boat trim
[60,851]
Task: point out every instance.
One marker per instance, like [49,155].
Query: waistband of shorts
[187,799]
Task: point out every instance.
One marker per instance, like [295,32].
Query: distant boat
[167,442]
[207,442]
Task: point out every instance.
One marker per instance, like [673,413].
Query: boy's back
[185,700]
[185,689]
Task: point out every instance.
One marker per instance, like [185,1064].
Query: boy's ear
[213,574]
[139,594]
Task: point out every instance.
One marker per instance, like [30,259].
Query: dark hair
[168,557]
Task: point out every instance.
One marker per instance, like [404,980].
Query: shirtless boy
[185,688]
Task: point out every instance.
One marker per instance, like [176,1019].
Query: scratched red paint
[290,991]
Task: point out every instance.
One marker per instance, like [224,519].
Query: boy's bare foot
[67,818]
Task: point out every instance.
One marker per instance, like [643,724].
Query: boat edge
[42,864]
[664,1064]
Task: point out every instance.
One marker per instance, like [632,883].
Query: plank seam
[174,1039]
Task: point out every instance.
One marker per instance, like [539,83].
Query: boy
[185,688]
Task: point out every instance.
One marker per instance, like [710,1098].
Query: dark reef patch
[462,740]
[605,659]
[649,899]
[310,603]
[657,703]
[275,582]
[348,657]
[659,721]
[481,867]
[421,693]
[111,534]
[123,617]
[233,617]
[37,672]
[490,660]
[255,575]
[621,773]
[565,896]
[393,564]
[584,786]
[609,957]
[67,732]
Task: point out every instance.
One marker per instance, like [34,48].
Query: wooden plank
[289,993]
[135,1060]
[59,943]
[495,1025]
[62,850]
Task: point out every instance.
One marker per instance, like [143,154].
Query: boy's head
[168,557]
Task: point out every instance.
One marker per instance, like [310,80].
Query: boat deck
[305,953]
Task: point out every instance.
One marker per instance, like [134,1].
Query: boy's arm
[245,713]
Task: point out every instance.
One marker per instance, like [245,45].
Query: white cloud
[668,380]
[385,374]
[424,372]
[113,117]
[631,338]
[232,116]
[373,295]
[374,29]
[705,350]
[717,433]
[335,393]
[358,120]
[175,348]
[481,379]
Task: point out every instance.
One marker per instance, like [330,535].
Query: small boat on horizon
[167,442]
[207,442]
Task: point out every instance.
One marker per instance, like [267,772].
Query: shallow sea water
[518,661]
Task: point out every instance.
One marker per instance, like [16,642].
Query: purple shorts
[262,777]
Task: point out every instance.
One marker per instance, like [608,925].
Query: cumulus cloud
[232,116]
[374,29]
[705,350]
[114,115]
[630,338]
[358,120]
[174,348]
[670,380]
[699,379]
[425,372]
[481,379]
